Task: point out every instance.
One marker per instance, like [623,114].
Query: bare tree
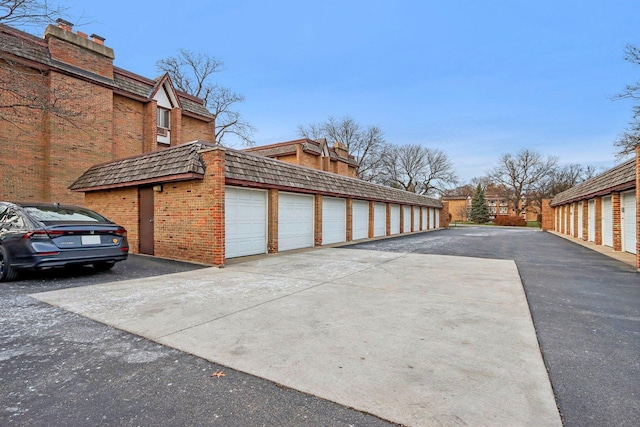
[559,179]
[192,73]
[417,168]
[30,13]
[27,89]
[630,138]
[366,145]
[519,173]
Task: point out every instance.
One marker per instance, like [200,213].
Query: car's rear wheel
[104,266]
[7,273]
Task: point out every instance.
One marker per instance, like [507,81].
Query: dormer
[166,100]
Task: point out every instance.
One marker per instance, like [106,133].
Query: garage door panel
[629,222]
[395,219]
[416,218]
[380,220]
[334,220]
[245,222]
[406,219]
[360,218]
[295,221]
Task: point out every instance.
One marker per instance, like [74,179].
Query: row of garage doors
[627,221]
[246,220]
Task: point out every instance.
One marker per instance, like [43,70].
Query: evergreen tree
[479,212]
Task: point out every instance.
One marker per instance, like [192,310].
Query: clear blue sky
[476,79]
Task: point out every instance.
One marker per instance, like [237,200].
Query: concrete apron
[414,339]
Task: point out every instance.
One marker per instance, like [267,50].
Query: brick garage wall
[128,127]
[183,223]
[22,138]
[121,206]
[617,221]
[548,216]
[445,217]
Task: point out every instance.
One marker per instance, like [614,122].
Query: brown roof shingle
[185,162]
[171,164]
[619,178]
[247,167]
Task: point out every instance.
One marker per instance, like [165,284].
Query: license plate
[90,240]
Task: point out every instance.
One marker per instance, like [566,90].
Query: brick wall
[121,206]
[194,129]
[22,137]
[272,221]
[317,227]
[598,221]
[548,215]
[73,147]
[128,127]
[617,221]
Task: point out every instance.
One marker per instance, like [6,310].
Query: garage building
[602,210]
[206,203]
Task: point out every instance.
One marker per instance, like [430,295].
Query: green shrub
[514,221]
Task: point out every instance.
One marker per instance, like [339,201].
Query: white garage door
[591,226]
[334,220]
[436,215]
[607,222]
[629,222]
[380,219]
[580,220]
[425,219]
[432,217]
[416,218]
[295,221]
[406,218]
[360,217]
[395,219]
[245,222]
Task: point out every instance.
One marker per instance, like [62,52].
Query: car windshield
[49,214]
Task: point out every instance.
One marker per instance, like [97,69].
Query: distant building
[313,154]
[497,205]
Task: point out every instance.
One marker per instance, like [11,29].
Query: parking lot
[58,367]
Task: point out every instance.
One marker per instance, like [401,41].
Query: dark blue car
[44,235]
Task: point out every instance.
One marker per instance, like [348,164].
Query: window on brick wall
[163,121]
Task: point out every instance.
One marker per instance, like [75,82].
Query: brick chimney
[78,51]
[341,150]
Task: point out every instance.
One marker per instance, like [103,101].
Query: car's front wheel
[104,266]
[7,273]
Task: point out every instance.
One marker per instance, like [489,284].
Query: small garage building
[205,203]
[603,210]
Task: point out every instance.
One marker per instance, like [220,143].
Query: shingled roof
[172,164]
[241,166]
[18,45]
[619,178]
[185,162]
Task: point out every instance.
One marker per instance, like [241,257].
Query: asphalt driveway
[585,307]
